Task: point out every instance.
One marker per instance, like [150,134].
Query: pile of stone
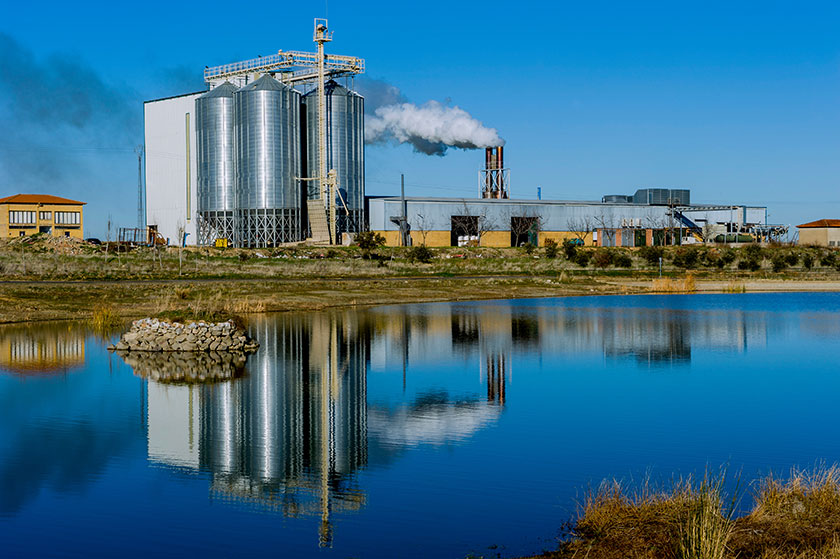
[151,334]
[181,367]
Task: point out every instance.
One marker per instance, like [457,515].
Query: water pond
[432,430]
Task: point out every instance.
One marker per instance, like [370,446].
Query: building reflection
[41,349]
[292,435]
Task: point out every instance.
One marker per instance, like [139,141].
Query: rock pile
[180,367]
[151,334]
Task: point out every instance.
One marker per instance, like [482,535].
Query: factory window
[67,218]
[22,218]
[464,230]
[44,216]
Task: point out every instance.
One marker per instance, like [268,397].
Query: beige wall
[496,239]
[9,230]
[820,236]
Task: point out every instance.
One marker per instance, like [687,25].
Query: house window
[45,216]
[22,218]
[67,218]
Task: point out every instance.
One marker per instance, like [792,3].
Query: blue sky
[737,101]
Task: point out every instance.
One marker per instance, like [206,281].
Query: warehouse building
[658,218]
[28,214]
[823,232]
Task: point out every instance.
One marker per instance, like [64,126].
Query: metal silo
[345,150]
[267,144]
[215,161]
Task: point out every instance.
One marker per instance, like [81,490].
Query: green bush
[420,253]
[528,248]
[749,264]
[623,260]
[570,249]
[752,252]
[779,263]
[727,257]
[602,258]
[711,258]
[652,254]
[550,248]
[582,257]
[828,259]
[792,258]
[686,257]
[808,260]
[369,240]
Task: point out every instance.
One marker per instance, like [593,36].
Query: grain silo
[267,146]
[345,145]
[215,161]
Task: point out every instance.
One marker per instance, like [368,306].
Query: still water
[433,430]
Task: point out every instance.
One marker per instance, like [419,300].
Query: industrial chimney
[494,179]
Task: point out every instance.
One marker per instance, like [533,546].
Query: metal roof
[821,223]
[39,199]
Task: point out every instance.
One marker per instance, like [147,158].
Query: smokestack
[499,158]
[488,158]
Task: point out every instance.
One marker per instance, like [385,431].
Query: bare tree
[608,226]
[423,226]
[581,227]
[470,224]
[523,223]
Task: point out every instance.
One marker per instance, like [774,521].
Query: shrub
[420,253]
[808,260]
[528,248]
[792,258]
[753,252]
[828,259]
[727,257]
[570,249]
[686,257]
[582,258]
[369,240]
[652,254]
[603,257]
[550,248]
[711,257]
[623,260]
[749,264]
[779,263]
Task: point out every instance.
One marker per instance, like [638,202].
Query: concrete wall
[820,236]
[171,182]
[75,231]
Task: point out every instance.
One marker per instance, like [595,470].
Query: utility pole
[141,214]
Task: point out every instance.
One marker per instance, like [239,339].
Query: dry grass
[688,284]
[735,287]
[794,518]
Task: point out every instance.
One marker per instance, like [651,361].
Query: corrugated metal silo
[345,110]
[267,143]
[215,161]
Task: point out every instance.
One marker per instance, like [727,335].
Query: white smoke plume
[430,128]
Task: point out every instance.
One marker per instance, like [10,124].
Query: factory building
[500,222]
[28,214]
[272,153]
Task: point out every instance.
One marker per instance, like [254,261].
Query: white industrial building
[171,184]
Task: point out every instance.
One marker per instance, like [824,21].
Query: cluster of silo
[253,152]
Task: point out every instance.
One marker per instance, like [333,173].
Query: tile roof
[37,199]
[821,223]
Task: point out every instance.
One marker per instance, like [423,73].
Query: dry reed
[688,284]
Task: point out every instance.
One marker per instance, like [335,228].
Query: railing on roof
[334,64]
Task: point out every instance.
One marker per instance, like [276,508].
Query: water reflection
[42,349]
[292,435]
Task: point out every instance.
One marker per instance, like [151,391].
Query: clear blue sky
[738,101]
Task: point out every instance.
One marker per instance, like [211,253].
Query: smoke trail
[54,111]
[430,128]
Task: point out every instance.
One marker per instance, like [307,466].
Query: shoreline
[39,300]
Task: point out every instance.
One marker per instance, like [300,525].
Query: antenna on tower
[141,214]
